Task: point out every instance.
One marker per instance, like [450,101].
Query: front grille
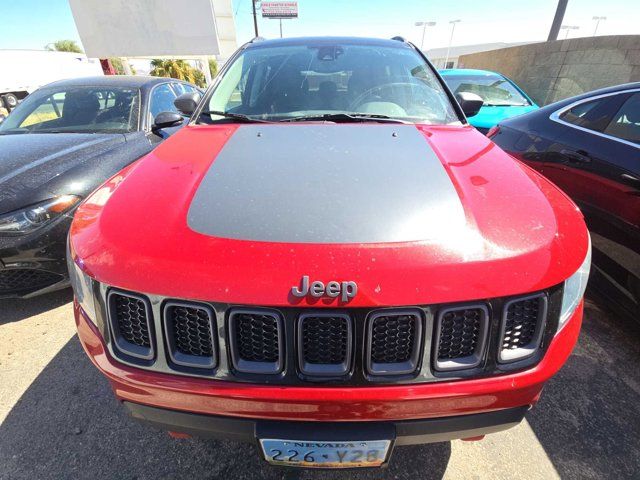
[343,346]
[256,338]
[394,341]
[190,333]
[23,281]
[460,337]
[324,343]
[522,327]
[130,319]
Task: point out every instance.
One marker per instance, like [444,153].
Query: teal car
[502,98]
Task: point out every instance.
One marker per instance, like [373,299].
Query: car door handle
[578,156]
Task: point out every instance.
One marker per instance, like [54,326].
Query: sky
[32,24]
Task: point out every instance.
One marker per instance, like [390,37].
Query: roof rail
[398,38]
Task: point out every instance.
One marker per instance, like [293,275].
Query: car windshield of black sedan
[288,82]
[494,90]
[76,110]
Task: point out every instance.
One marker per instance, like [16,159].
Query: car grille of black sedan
[23,281]
[292,345]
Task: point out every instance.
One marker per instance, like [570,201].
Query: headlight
[574,288]
[29,219]
[82,285]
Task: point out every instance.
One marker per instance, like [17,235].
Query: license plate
[325,454]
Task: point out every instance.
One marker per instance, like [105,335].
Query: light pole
[255,17]
[424,26]
[598,20]
[567,28]
[557,20]
[453,28]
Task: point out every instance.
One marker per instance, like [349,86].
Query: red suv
[329,262]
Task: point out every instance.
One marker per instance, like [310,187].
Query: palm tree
[213,67]
[178,69]
[64,46]
[118,66]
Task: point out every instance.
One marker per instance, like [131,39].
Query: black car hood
[32,166]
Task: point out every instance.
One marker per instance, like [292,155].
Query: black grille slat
[325,340]
[257,337]
[459,334]
[190,332]
[256,340]
[131,319]
[26,280]
[131,315]
[392,339]
[521,323]
[324,343]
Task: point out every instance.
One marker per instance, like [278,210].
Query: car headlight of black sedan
[28,219]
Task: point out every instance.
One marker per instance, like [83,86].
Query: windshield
[494,89]
[296,81]
[76,110]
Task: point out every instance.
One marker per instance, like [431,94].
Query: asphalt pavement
[59,419]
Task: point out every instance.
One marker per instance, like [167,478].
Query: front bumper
[35,263]
[406,432]
[329,404]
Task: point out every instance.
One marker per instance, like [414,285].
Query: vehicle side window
[181,88]
[594,115]
[626,122]
[162,99]
[178,88]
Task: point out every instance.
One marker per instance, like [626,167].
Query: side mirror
[469,102]
[187,102]
[166,120]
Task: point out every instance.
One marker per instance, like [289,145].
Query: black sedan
[58,145]
[589,146]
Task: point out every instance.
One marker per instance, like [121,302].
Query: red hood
[521,234]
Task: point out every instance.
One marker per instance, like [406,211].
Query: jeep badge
[345,290]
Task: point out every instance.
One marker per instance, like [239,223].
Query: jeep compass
[328,262]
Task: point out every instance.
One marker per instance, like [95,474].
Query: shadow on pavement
[69,425]
[16,309]
[588,419]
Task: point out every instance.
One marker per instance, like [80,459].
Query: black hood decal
[326,184]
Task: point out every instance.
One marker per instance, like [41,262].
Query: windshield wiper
[345,118]
[235,116]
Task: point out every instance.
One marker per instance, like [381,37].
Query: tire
[10,101]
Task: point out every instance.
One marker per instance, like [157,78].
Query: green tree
[178,69]
[198,78]
[213,67]
[117,64]
[64,46]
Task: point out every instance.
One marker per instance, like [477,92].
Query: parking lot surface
[59,418]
